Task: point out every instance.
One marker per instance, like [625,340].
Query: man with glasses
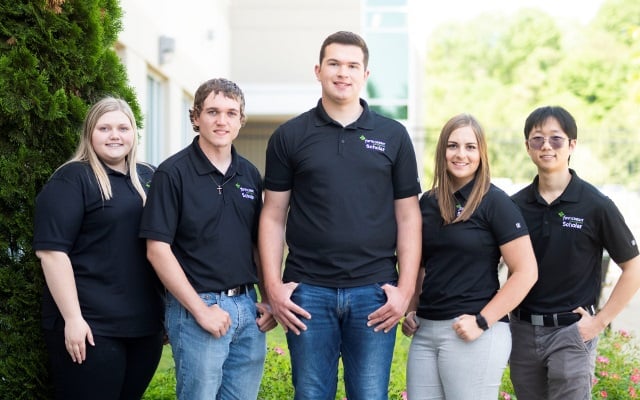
[555,328]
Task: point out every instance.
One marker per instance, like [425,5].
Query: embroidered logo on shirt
[373,144]
[246,193]
[518,225]
[571,222]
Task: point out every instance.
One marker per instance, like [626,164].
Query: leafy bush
[617,371]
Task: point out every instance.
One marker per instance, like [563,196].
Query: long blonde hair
[86,153]
[442,186]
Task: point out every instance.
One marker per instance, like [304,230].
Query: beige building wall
[200,37]
[268,47]
[275,47]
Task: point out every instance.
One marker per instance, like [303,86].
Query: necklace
[221,184]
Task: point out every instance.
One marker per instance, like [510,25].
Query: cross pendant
[219,189]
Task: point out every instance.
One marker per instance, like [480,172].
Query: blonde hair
[442,186]
[86,153]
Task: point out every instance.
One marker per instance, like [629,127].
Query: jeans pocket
[209,298]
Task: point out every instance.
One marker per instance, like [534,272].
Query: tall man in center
[344,181]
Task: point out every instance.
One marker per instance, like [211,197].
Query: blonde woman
[458,316]
[102,304]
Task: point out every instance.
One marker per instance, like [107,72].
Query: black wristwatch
[482,323]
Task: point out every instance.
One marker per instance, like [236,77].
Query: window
[185,125]
[386,33]
[154,120]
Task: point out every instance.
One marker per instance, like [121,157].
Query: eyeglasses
[555,142]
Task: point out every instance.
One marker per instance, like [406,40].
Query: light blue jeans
[443,366]
[338,327]
[208,368]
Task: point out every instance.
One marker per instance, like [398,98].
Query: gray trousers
[443,366]
[551,363]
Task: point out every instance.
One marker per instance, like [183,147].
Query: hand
[215,320]
[76,335]
[588,326]
[284,310]
[387,316]
[265,319]
[467,328]
[410,324]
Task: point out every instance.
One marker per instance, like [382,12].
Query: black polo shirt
[119,293]
[568,238]
[461,259]
[341,228]
[211,233]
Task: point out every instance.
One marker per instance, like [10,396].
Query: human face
[112,139]
[219,122]
[547,158]
[462,156]
[342,73]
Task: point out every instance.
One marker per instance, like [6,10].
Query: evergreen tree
[56,58]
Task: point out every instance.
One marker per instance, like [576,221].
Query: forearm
[271,237]
[415,299]
[625,288]
[409,243]
[58,273]
[508,297]
[523,272]
[173,277]
[271,246]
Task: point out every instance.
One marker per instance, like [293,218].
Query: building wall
[268,47]
[275,47]
[201,41]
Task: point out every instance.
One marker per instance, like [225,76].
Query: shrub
[56,57]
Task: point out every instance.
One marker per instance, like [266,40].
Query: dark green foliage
[56,58]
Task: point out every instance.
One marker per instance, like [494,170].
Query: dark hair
[541,114]
[348,38]
[217,85]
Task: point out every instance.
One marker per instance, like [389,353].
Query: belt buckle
[234,292]
[537,319]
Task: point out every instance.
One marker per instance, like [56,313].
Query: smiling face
[548,158]
[112,139]
[462,156]
[219,121]
[342,73]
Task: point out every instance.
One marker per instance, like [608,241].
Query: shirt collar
[571,193]
[204,166]
[364,121]
[464,192]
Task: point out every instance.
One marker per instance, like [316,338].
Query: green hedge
[56,58]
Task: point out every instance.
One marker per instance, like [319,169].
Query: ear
[572,145]
[316,70]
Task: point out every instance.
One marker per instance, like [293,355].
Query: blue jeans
[208,368]
[338,327]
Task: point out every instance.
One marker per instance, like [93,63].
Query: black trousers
[115,368]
